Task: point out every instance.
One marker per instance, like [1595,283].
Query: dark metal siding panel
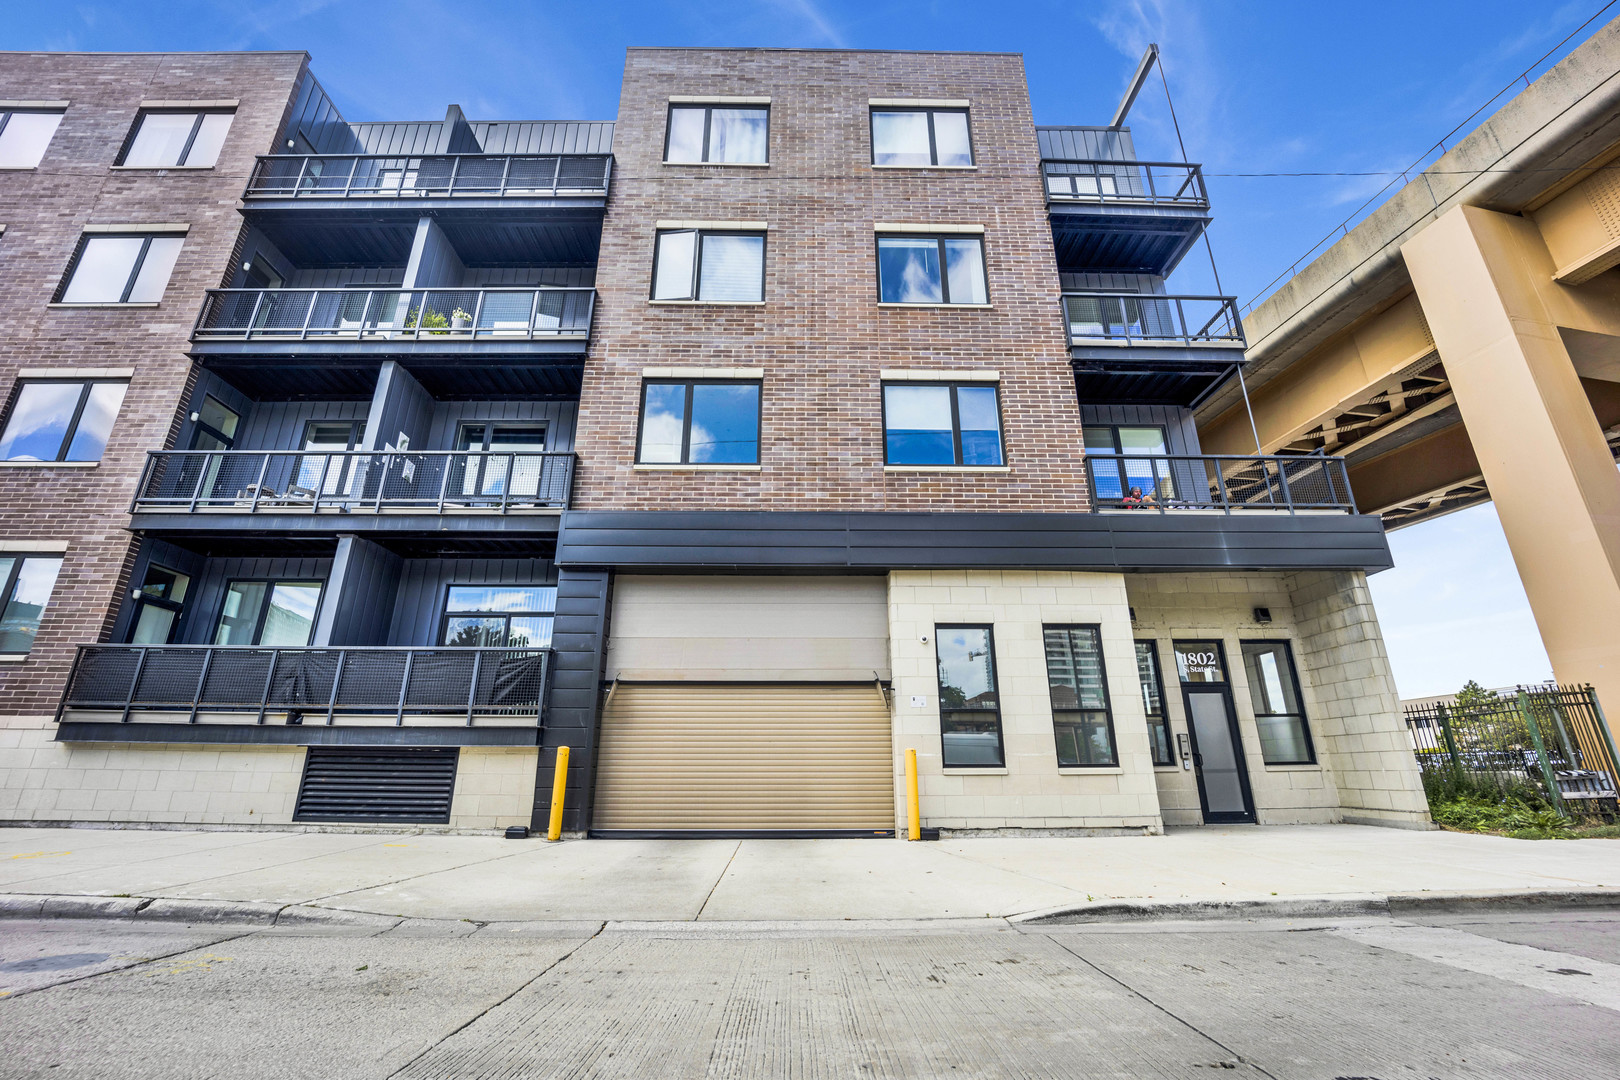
[209,596]
[300,735]
[210,384]
[407,784]
[1107,144]
[419,604]
[572,710]
[388,277]
[317,121]
[886,541]
[406,409]
[399,137]
[163,554]
[528,137]
[368,594]
[279,425]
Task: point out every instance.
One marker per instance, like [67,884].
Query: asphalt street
[1472,995]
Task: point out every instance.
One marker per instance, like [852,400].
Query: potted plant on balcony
[433,322]
[461,319]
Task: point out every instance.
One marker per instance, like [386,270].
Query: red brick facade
[820,335]
[45,211]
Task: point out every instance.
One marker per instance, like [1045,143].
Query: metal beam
[1135,88]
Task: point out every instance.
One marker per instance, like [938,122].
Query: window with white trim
[165,138]
[121,269]
[931,270]
[717,134]
[941,424]
[26,582]
[921,138]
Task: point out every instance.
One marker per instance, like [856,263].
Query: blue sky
[1261,86]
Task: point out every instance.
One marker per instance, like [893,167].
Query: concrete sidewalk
[488,879]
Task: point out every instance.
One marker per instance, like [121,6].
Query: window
[1200,661]
[24,135]
[699,423]
[1285,738]
[969,707]
[61,421]
[717,134]
[167,139]
[931,270]
[159,601]
[121,270]
[26,582]
[215,427]
[930,424]
[921,137]
[1080,716]
[1158,721]
[268,613]
[712,266]
[1120,479]
[500,616]
[330,472]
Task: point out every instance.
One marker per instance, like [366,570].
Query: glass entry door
[492,476]
[328,472]
[1223,778]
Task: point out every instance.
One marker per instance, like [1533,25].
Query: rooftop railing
[1125,183]
[1148,319]
[310,684]
[1228,483]
[416,176]
[302,481]
[361,314]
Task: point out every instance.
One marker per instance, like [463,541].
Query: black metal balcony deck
[1119,216]
[1143,348]
[424,178]
[295,492]
[1224,483]
[254,685]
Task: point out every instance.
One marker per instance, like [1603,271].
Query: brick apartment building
[821,408]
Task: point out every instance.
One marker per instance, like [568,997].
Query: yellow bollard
[914,827]
[559,786]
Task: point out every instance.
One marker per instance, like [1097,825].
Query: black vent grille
[409,785]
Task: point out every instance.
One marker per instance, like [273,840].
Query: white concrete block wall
[1358,721]
[494,787]
[1032,792]
[1220,606]
[210,784]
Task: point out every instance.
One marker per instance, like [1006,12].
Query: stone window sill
[48,464]
[12,658]
[1170,768]
[161,168]
[930,168]
[947,468]
[694,468]
[1089,770]
[76,306]
[959,770]
[937,307]
[723,164]
[1309,766]
[708,303]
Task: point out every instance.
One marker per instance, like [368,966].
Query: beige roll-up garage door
[740,757]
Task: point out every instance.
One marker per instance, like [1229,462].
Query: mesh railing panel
[1146,317]
[1160,482]
[371,680]
[102,677]
[512,680]
[303,678]
[480,176]
[531,175]
[440,679]
[362,313]
[587,172]
[275,176]
[236,678]
[169,677]
[336,176]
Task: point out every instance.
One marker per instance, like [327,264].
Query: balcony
[422,180]
[289,491]
[1150,349]
[315,334]
[1120,216]
[1228,484]
[127,687]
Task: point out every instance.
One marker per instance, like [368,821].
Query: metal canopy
[501,236]
[1123,243]
[466,376]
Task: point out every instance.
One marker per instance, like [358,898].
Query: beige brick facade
[820,336]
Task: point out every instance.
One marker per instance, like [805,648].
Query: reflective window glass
[61,421]
[733,268]
[167,139]
[24,137]
[499,616]
[1080,716]
[951,146]
[901,138]
[1152,683]
[676,269]
[712,423]
[663,423]
[26,583]
[969,704]
[718,134]
[1200,662]
[941,425]
[271,613]
[122,269]
[1279,717]
[686,130]
[931,270]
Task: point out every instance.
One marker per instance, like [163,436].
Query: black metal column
[578,638]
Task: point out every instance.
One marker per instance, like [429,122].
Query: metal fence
[286,481]
[405,176]
[1554,738]
[1148,319]
[1164,483]
[1127,183]
[309,684]
[395,314]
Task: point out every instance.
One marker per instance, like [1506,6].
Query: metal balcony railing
[325,684]
[1125,183]
[301,481]
[359,314]
[1148,319]
[415,176]
[1222,482]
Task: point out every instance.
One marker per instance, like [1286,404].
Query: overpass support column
[1483,279]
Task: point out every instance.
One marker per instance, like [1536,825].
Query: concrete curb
[1335,907]
[305,916]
